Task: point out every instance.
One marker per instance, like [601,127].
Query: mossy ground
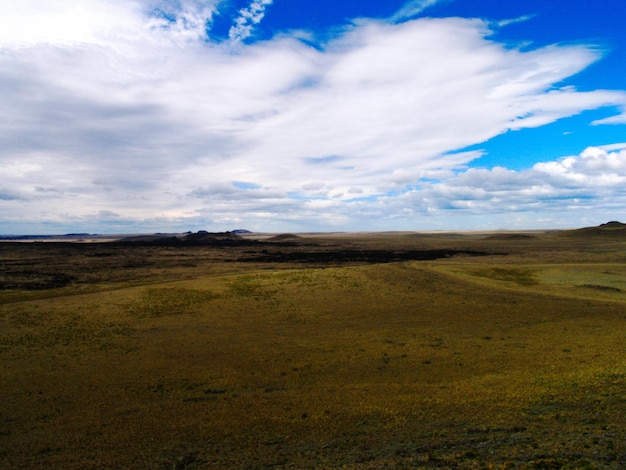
[458,363]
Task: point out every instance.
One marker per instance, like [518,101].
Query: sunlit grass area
[456,363]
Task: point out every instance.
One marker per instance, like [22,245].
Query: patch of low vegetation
[602,281]
[255,286]
[74,332]
[168,301]
[519,276]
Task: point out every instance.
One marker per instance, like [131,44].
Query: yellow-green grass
[598,281]
[451,364]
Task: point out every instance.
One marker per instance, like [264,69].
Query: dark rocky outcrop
[201,238]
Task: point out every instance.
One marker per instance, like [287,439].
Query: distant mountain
[241,231]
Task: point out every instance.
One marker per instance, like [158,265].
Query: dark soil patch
[33,280]
[511,236]
[603,288]
[359,256]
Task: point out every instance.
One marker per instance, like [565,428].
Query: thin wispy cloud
[248,19]
[412,8]
[512,21]
[125,116]
[615,119]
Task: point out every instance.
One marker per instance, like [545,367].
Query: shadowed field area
[344,351]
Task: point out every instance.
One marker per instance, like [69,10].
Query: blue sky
[125,116]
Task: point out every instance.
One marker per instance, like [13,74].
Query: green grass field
[168,359]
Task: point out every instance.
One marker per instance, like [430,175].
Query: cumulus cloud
[127,107]
[589,184]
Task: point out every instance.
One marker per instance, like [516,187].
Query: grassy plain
[252,357]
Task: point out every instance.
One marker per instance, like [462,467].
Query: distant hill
[611,229]
[241,231]
[283,237]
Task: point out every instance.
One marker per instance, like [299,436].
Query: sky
[137,116]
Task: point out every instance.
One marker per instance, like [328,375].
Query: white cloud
[617,119]
[126,107]
[64,22]
[593,181]
[248,19]
[105,22]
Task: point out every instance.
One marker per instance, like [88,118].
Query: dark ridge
[361,256]
[210,238]
[614,224]
[201,238]
[611,229]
